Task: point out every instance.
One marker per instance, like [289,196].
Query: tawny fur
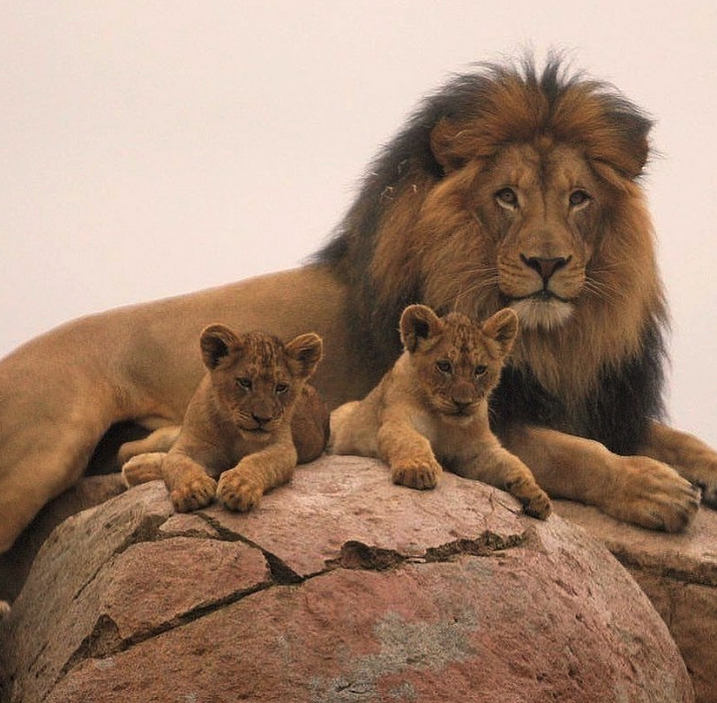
[431,409]
[238,424]
[464,210]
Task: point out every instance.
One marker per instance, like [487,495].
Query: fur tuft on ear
[445,146]
[216,342]
[306,350]
[503,328]
[418,323]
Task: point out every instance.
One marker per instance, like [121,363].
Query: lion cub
[432,407]
[238,425]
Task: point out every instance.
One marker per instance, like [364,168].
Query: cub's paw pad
[416,473]
[237,492]
[195,494]
[143,468]
[538,506]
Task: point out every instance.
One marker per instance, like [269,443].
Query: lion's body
[238,426]
[507,188]
[430,410]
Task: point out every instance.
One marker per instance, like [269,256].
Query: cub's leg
[498,467]
[353,430]
[189,485]
[691,457]
[636,489]
[409,455]
[242,487]
[143,468]
[160,440]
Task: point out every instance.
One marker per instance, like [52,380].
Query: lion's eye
[281,388]
[244,383]
[480,370]
[579,197]
[507,197]
[444,366]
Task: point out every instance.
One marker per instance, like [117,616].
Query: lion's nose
[545,267]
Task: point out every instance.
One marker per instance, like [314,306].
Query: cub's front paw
[237,491]
[538,505]
[417,473]
[194,494]
[652,494]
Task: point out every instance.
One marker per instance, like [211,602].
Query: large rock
[339,587]
[678,572]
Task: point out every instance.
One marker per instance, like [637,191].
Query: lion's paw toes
[654,495]
[143,468]
[194,494]
[417,474]
[237,492]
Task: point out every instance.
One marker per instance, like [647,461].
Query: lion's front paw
[652,494]
[143,468]
[416,473]
[237,491]
[194,494]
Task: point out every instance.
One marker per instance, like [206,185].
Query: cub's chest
[449,437]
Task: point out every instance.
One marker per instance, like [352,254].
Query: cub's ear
[503,328]
[216,342]
[306,351]
[418,323]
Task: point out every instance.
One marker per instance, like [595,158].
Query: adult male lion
[508,187]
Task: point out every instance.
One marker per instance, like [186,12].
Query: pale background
[149,148]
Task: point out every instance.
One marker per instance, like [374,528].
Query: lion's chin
[539,313]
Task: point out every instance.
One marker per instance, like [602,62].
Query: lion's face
[541,210]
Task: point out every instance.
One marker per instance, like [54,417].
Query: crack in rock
[357,555]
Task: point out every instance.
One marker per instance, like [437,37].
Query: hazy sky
[155,148]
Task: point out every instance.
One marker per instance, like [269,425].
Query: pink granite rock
[340,587]
[678,572]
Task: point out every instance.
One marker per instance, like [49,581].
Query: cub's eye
[579,197]
[444,366]
[244,383]
[507,198]
[281,388]
[480,370]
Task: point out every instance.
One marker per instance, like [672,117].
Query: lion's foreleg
[691,457]
[636,489]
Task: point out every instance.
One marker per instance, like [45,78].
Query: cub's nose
[461,406]
[261,420]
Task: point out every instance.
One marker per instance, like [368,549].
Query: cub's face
[256,378]
[458,361]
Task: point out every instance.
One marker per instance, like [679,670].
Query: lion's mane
[409,239]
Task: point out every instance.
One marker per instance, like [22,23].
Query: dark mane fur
[626,394]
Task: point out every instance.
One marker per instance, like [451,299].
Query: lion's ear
[503,328]
[418,323]
[444,145]
[216,342]
[305,350]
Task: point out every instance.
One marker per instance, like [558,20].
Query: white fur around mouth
[548,314]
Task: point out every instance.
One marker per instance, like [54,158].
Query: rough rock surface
[679,575]
[339,587]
